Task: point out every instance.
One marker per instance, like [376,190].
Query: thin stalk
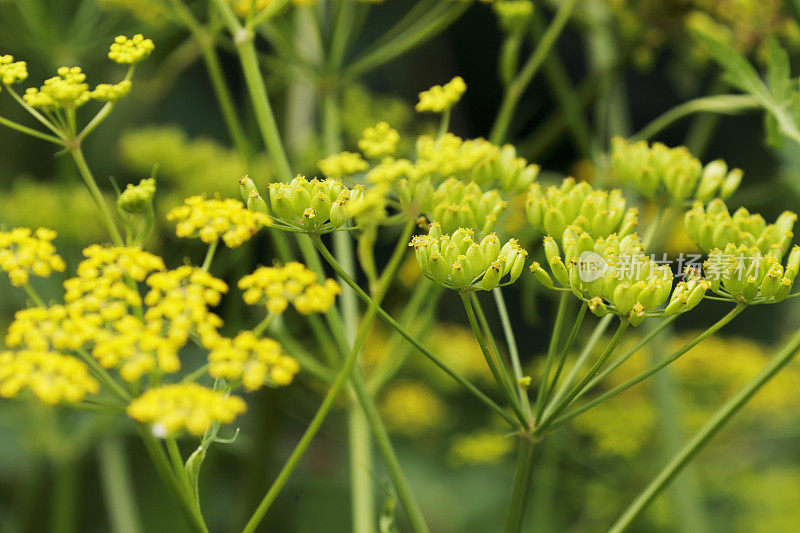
[38,116]
[30,131]
[34,295]
[522,485]
[492,345]
[65,495]
[118,490]
[410,337]
[94,190]
[555,336]
[644,375]
[517,87]
[612,345]
[573,334]
[513,351]
[212,248]
[494,365]
[712,427]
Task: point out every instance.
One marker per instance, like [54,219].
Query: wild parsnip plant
[114,341]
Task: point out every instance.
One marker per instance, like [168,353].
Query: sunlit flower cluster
[129,51]
[379,140]
[51,376]
[291,283]
[136,349]
[212,219]
[311,205]
[440,98]
[23,252]
[137,198]
[342,165]
[171,409]
[68,90]
[254,361]
[111,92]
[458,204]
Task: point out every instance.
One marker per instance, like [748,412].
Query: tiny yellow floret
[51,376]
[212,219]
[292,283]
[129,51]
[257,362]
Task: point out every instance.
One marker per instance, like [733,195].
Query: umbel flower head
[12,71]
[746,275]
[596,211]
[23,252]
[172,409]
[342,165]
[111,92]
[68,90]
[129,51]
[254,361]
[451,156]
[657,171]
[713,227]
[456,204]
[137,198]
[610,274]
[293,283]
[136,348]
[212,219]
[314,205]
[51,376]
[440,98]
[506,171]
[458,262]
[379,140]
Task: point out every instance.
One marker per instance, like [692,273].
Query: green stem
[410,337]
[522,485]
[491,343]
[30,131]
[38,116]
[517,87]
[65,496]
[644,375]
[212,248]
[513,351]
[118,490]
[555,336]
[712,427]
[94,190]
[573,334]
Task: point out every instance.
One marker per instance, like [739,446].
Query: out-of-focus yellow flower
[212,219]
[379,140]
[482,447]
[390,170]
[440,98]
[257,362]
[170,409]
[342,164]
[456,346]
[68,90]
[129,51]
[619,426]
[292,283]
[24,252]
[136,349]
[181,299]
[51,376]
[412,408]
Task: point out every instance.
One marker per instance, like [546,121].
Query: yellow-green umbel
[314,205]
[456,204]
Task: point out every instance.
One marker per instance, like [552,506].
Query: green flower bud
[492,276]
[598,307]
[247,187]
[256,203]
[793,263]
[137,198]
[636,316]
[541,275]
[318,206]
[513,16]
[731,183]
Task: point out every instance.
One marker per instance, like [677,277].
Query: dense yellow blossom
[292,283]
[136,349]
[257,362]
[170,409]
[441,97]
[212,219]
[137,198]
[129,51]
[452,156]
[24,252]
[68,90]
[12,71]
[482,447]
[379,140]
[58,327]
[51,376]
[181,299]
[412,408]
[111,92]
[342,164]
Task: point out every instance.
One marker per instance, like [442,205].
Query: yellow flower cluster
[379,140]
[390,170]
[171,409]
[129,51]
[342,164]
[12,71]
[136,349]
[51,376]
[211,219]
[292,283]
[181,298]
[257,362]
[244,7]
[23,252]
[58,327]
[67,90]
[111,92]
[452,156]
[482,447]
[440,98]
